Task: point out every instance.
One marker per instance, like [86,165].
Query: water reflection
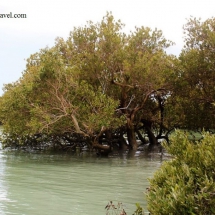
[38,183]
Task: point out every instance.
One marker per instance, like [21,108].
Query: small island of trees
[104,89]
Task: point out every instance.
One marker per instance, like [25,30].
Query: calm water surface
[65,184]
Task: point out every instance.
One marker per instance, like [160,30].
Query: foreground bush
[185,185]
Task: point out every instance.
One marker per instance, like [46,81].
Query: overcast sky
[48,19]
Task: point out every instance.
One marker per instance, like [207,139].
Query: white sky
[48,19]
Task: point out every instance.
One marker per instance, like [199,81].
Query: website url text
[10,15]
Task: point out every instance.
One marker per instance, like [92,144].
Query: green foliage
[139,210]
[102,79]
[196,74]
[51,99]
[185,185]
[76,86]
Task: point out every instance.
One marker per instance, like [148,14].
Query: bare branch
[132,98]
[77,128]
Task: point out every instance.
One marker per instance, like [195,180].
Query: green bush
[185,185]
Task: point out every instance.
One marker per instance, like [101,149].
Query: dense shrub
[185,185]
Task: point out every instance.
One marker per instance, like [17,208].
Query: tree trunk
[131,136]
[161,107]
[101,147]
[97,142]
[141,137]
[152,139]
[122,142]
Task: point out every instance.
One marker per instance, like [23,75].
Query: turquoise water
[44,184]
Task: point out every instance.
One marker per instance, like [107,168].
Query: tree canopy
[197,74]
[101,85]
